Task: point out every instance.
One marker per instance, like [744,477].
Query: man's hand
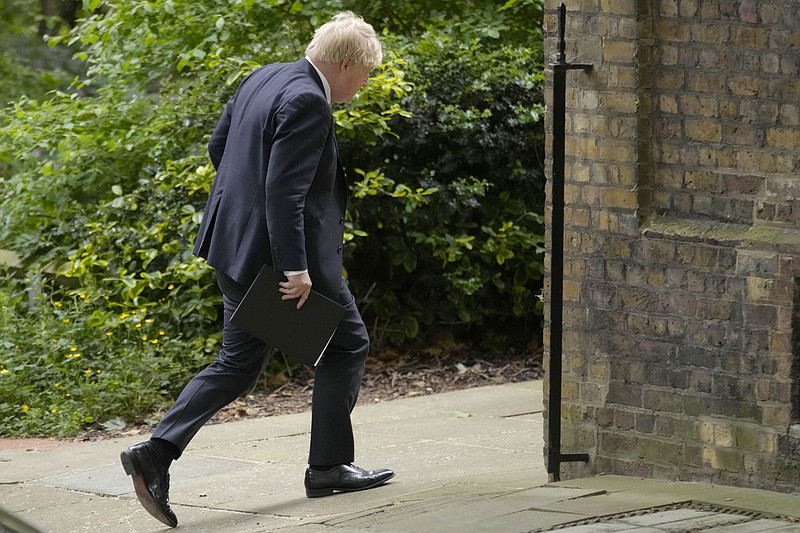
[298,286]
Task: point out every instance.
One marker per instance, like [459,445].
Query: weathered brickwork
[681,344]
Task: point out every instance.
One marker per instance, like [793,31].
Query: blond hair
[346,36]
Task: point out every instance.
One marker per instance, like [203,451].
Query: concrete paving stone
[518,478]
[288,449]
[607,504]
[251,430]
[35,499]
[508,434]
[242,490]
[65,512]
[608,528]
[467,507]
[43,463]
[762,525]
[517,399]
[448,462]
[679,520]
[455,474]
[658,518]
[550,495]
[111,478]
[194,519]
[789,528]
[732,497]
[440,510]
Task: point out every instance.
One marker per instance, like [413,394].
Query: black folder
[301,334]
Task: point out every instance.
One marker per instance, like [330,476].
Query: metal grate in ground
[684,517]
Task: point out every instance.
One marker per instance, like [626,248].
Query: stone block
[724,435]
[707,131]
[659,251]
[727,460]
[619,7]
[783,138]
[673,30]
[619,51]
[662,400]
[757,316]
[657,451]
[776,415]
[618,444]
[645,422]
[693,105]
[741,134]
[622,393]
[758,289]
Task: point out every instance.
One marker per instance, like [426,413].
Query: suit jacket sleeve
[302,127]
[216,145]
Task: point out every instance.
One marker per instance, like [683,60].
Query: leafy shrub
[471,258]
[27,66]
[106,182]
[68,362]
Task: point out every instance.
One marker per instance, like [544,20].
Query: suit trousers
[337,381]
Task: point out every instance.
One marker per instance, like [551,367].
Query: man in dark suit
[279,198]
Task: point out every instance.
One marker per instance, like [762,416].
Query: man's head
[346,50]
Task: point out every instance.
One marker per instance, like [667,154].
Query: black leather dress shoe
[151,482]
[343,478]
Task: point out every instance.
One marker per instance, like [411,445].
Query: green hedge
[108,180]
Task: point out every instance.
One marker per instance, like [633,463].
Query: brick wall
[682,243]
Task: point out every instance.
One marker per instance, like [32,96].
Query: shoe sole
[132,467]
[329,491]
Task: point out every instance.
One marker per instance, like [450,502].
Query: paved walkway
[466,461]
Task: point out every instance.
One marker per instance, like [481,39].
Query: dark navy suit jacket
[280,193]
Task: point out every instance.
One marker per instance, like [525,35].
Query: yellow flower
[98,371]
[5,371]
[109,333]
[76,355]
[25,408]
[87,371]
[58,304]
[73,349]
[170,286]
[144,337]
[57,385]
[65,321]
[123,316]
[82,296]
[148,321]
[154,341]
[138,325]
[68,395]
[162,332]
[53,410]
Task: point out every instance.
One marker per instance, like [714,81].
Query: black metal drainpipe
[560,68]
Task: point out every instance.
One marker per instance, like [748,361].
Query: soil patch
[386,378]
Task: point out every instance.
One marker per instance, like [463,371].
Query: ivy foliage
[103,183]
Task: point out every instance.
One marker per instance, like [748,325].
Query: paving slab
[759,526]
[648,490]
[467,461]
